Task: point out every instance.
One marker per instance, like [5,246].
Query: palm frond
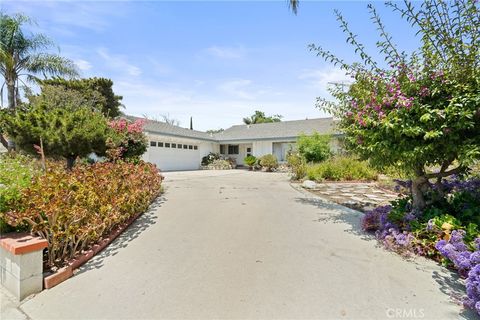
[51,64]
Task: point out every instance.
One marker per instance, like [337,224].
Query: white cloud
[83,65]
[119,63]
[322,78]
[237,88]
[226,52]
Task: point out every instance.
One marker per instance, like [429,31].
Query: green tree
[422,113]
[260,117]
[63,120]
[97,90]
[315,147]
[28,56]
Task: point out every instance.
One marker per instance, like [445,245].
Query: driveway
[238,244]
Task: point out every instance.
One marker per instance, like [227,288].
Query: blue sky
[215,61]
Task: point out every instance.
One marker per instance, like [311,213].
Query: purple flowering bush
[446,231]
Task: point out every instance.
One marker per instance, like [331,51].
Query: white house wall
[261,148]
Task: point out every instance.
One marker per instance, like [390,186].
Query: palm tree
[26,56]
[293,4]
[260,117]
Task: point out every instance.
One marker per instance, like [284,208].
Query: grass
[339,168]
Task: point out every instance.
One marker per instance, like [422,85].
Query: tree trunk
[11,94]
[71,162]
[417,193]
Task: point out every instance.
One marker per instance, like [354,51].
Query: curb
[65,273]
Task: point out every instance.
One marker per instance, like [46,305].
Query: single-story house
[174,148]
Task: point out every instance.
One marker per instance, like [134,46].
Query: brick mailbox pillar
[21,264]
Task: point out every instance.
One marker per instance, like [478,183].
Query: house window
[179,146]
[233,149]
[249,150]
[222,149]
[167,145]
[174,145]
[195,147]
[185,146]
[160,144]
[153,143]
[190,147]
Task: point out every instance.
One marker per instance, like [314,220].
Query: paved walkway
[239,244]
[361,196]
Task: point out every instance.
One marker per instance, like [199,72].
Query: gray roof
[287,130]
[159,127]
[277,130]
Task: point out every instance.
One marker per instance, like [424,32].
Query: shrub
[16,173]
[250,161]
[268,162]
[208,159]
[314,148]
[73,210]
[220,164]
[341,169]
[297,165]
[126,140]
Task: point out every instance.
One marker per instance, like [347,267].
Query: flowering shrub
[209,158]
[219,164]
[73,210]
[452,239]
[127,140]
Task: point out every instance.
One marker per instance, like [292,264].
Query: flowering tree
[422,111]
[127,140]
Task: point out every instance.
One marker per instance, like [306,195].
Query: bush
[16,173]
[208,159]
[297,165]
[126,140]
[341,169]
[268,162]
[250,161]
[220,164]
[73,210]
[314,148]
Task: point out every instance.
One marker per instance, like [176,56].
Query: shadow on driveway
[142,223]
[448,282]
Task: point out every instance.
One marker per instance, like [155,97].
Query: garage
[173,155]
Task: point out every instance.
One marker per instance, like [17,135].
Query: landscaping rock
[309,184]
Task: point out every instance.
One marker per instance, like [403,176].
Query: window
[249,150]
[174,145]
[195,147]
[222,149]
[190,147]
[185,146]
[179,146]
[153,143]
[160,144]
[167,145]
[233,149]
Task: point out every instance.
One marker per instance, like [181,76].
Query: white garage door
[169,156]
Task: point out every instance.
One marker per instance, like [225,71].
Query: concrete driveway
[238,244]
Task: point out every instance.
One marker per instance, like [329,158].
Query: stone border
[66,272]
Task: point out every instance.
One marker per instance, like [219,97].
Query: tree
[260,117]
[315,147]
[170,120]
[422,112]
[98,90]
[63,120]
[28,56]
[213,131]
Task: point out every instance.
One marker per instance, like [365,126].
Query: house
[175,148]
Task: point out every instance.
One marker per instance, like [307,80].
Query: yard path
[238,244]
